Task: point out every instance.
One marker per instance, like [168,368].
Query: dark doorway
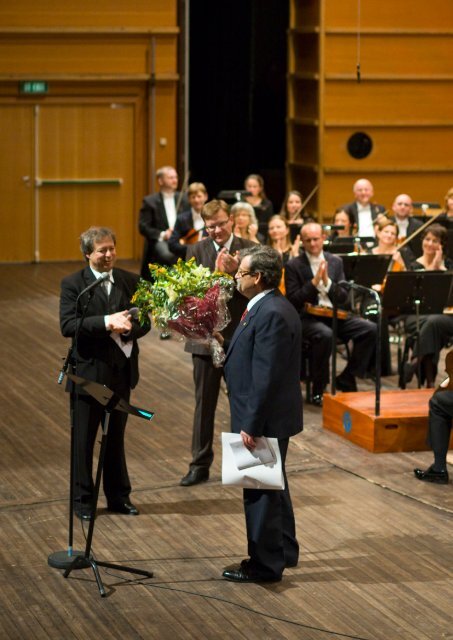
[237,98]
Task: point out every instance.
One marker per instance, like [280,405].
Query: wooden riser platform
[401,426]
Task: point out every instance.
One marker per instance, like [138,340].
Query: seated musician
[446,217]
[440,421]
[280,239]
[189,226]
[345,219]
[313,278]
[245,223]
[387,243]
[436,330]
[403,209]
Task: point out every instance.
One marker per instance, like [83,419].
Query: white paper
[242,468]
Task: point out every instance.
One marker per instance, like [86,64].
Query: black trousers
[271,529]
[318,332]
[440,417]
[207,379]
[88,414]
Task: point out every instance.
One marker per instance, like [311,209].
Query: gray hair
[266,261]
[244,206]
[92,235]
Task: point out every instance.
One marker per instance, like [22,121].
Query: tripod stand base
[61,560]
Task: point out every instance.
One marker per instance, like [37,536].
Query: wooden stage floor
[376,545]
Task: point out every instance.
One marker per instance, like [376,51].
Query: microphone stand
[64,559]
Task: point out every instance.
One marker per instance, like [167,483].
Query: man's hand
[227,262]
[218,336]
[119,322]
[321,274]
[249,441]
[167,234]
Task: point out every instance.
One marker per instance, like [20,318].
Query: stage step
[401,426]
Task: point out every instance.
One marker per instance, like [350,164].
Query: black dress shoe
[241,573]
[195,476]
[83,515]
[346,382]
[317,400]
[123,507]
[409,369]
[430,475]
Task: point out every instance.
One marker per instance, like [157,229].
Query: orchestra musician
[362,208]
[387,237]
[436,329]
[407,224]
[189,226]
[245,222]
[262,206]
[314,278]
[280,238]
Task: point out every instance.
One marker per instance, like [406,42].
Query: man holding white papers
[262,372]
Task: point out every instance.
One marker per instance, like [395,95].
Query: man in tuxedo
[402,208]
[158,216]
[363,209]
[262,372]
[313,278]
[189,227]
[105,350]
[217,251]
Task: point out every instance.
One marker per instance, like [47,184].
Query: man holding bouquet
[218,251]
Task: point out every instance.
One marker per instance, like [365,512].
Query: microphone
[102,278]
[134,312]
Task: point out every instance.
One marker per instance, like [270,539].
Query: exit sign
[33,86]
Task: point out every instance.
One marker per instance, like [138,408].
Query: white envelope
[260,469]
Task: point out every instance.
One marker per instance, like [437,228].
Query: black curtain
[237,100]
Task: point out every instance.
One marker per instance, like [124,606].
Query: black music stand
[417,292]
[233,195]
[110,401]
[366,269]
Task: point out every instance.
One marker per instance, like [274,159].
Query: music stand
[417,292]
[110,401]
[366,269]
[235,195]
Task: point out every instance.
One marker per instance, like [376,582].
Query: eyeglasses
[241,274]
[218,225]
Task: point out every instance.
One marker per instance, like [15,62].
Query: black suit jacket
[98,357]
[299,286]
[262,370]
[153,220]
[352,209]
[205,253]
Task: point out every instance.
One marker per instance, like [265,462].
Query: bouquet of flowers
[188,299]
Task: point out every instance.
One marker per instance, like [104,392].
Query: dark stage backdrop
[237,100]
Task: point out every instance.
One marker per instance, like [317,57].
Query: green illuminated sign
[33,86]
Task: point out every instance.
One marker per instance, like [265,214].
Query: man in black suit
[313,278]
[105,351]
[217,251]
[362,209]
[189,227]
[402,208]
[262,372]
[440,419]
[158,216]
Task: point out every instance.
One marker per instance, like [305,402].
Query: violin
[325,312]
[190,238]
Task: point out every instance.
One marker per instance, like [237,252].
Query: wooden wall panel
[421,147]
[166,102]
[85,54]
[16,162]
[399,14]
[389,54]
[388,102]
[86,13]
